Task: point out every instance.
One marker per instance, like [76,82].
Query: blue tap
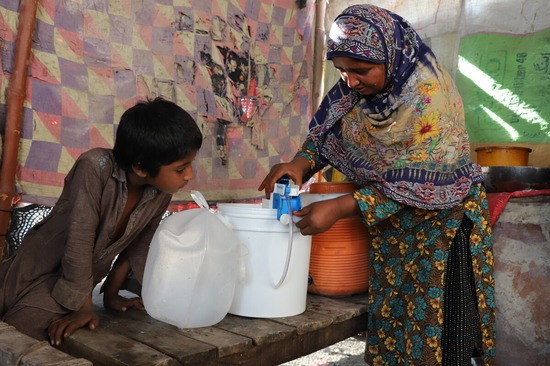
[286,199]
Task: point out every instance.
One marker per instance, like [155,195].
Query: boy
[111,204]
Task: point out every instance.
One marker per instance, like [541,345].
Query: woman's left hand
[316,218]
[319,216]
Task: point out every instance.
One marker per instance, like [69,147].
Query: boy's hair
[154,133]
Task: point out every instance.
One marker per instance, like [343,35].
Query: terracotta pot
[339,261]
[503,156]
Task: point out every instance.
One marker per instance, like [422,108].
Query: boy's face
[173,177]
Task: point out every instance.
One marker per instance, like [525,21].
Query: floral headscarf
[376,35]
[409,140]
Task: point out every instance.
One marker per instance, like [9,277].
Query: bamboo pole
[318,62]
[318,54]
[15,99]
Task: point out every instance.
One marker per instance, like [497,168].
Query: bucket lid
[333,187]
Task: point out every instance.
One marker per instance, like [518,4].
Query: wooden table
[133,338]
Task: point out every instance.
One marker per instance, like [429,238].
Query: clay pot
[339,260]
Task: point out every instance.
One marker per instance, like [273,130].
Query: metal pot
[515,178]
[503,156]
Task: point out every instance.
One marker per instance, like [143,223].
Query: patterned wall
[242,68]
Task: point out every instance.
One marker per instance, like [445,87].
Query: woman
[394,125]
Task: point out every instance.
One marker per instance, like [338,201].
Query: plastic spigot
[286,199]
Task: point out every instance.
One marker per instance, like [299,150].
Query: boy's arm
[131,260]
[82,195]
[114,283]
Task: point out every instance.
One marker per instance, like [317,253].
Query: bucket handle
[289,250]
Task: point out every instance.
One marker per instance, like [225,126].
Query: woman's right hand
[295,170]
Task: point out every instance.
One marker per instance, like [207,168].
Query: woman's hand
[295,170]
[319,216]
[62,328]
[120,303]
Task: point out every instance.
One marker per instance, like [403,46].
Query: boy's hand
[63,327]
[114,283]
[120,303]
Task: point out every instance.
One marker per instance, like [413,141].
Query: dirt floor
[346,353]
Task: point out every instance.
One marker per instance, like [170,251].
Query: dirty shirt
[63,257]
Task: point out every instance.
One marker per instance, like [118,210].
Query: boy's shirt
[78,232]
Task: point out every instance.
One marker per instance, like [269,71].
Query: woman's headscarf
[376,35]
[384,141]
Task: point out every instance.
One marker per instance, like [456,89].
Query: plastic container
[339,262]
[191,269]
[503,156]
[266,289]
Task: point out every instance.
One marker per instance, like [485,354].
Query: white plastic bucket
[265,289]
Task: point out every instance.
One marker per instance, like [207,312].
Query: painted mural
[242,68]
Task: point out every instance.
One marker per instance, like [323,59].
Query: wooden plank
[240,340]
[326,321]
[50,356]
[104,347]
[13,344]
[328,311]
[17,348]
[320,312]
[337,309]
[217,339]
[261,331]
[226,342]
[298,345]
[163,337]
[306,322]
